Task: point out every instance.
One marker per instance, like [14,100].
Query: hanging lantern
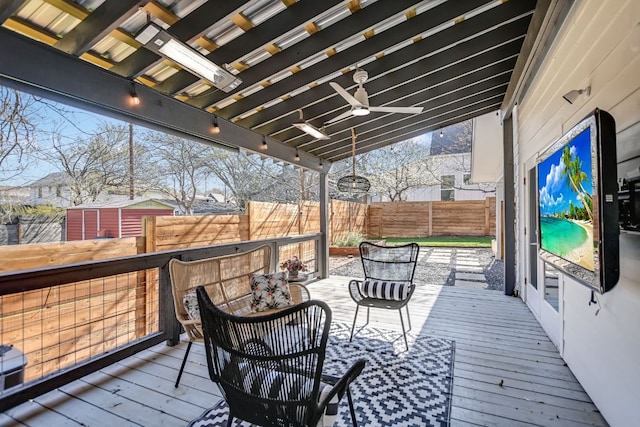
[353,183]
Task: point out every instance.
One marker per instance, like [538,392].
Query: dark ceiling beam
[405,31]
[443,94]
[397,134]
[451,101]
[545,24]
[451,120]
[192,25]
[8,8]
[488,45]
[294,16]
[96,26]
[357,23]
[76,82]
[474,65]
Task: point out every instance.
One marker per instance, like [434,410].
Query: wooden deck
[507,372]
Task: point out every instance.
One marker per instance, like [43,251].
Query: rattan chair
[269,368]
[227,281]
[388,280]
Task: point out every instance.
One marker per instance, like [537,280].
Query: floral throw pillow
[270,291]
[190,302]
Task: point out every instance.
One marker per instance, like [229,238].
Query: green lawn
[450,241]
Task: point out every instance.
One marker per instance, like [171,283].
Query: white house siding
[598,45]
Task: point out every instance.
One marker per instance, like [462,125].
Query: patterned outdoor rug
[396,388]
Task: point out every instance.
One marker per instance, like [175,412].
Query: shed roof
[125,204]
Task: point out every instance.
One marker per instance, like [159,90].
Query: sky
[554,191]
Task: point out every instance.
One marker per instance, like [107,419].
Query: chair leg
[229,421]
[408,317]
[354,323]
[351,408]
[184,362]
[404,333]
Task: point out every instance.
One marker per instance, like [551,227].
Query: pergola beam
[73,81]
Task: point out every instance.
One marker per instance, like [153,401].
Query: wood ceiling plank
[438,91]
[437,15]
[27,28]
[69,7]
[192,25]
[461,55]
[96,59]
[491,47]
[103,21]
[318,42]
[436,100]
[283,22]
[162,13]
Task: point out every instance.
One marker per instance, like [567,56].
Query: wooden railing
[117,307]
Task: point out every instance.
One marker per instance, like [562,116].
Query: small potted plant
[293,266]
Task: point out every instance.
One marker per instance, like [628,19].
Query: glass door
[532,296]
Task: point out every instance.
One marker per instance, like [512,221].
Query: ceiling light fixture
[264,143]
[215,129]
[135,99]
[321,164]
[310,129]
[571,97]
[164,44]
[297,157]
[441,133]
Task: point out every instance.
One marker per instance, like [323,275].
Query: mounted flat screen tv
[577,203]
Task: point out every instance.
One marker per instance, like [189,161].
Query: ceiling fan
[360,100]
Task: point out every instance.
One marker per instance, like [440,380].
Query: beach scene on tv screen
[566,202]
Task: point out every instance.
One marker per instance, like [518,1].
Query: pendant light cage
[353,183]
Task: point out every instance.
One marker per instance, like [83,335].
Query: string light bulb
[297,157]
[264,143]
[215,129]
[135,99]
[441,133]
[321,164]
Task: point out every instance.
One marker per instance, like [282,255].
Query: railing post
[167,315]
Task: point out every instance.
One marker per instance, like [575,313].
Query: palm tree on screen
[575,177]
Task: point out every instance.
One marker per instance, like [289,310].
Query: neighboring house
[53,190]
[204,205]
[446,177]
[115,218]
[10,195]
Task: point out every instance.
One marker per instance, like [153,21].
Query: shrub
[351,239]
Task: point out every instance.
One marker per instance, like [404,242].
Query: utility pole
[132,190]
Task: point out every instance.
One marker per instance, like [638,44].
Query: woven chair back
[389,263]
[269,367]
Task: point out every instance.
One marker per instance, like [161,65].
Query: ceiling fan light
[360,111]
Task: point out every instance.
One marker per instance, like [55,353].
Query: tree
[94,163]
[19,114]
[180,167]
[252,177]
[393,170]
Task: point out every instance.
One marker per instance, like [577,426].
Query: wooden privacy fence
[86,318]
[261,221]
[424,219]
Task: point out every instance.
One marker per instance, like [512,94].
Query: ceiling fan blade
[407,110]
[346,95]
[340,117]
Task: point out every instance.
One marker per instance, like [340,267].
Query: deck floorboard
[507,372]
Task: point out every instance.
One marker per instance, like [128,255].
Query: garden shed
[116,218]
